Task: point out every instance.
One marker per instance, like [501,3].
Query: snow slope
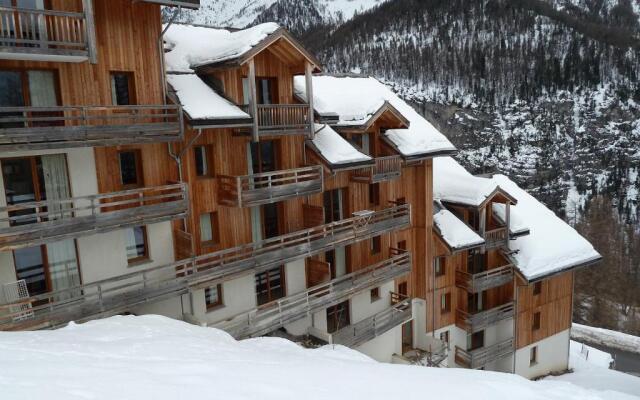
[591,370]
[153,357]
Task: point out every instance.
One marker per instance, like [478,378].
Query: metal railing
[496,238]
[283,118]
[474,283]
[480,357]
[43,32]
[112,295]
[475,322]
[29,128]
[386,168]
[370,328]
[289,309]
[33,223]
[269,187]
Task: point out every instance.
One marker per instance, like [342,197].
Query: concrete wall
[553,356]
[384,346]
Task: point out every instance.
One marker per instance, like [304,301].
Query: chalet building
[219,177]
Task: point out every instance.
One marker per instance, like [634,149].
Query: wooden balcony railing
[370,328]
[476,322]
[34,128]
[480,357]
[269,187]
[386,169]
[26,33]
[474,283]
[282,119]
[33,223]
[275,315]
[113,295]
[496,238]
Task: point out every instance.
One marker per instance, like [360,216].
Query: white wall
[384,346]
[238,296]
[553,356]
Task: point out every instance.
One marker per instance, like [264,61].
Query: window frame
[283,285]
[208,159]
[131,88]
[145,257]
[215,229]
[537,288]
[533,356]
[374,194]
[217,304]
[138,168]
[445,303]
[375,245]
[374,294]
[439,266]
[536,321]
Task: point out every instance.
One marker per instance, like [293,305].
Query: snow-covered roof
[517,223]
[453,183]
[357,99]
[336,150]
[193,46]
[454,232]
[552,245]
[201,102]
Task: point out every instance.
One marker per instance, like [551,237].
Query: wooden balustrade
[496,238]
[33,128]
[480,357]
[269,187]
[43,32]
[114,295]
[475,322]
[284,311]
[33,223]
[370,328]
[277,119]
[474,283]
[386,168]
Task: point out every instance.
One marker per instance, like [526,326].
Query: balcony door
[27,88]
[338,317]
[266,221]
[53,266]
[334,211]
[266,90]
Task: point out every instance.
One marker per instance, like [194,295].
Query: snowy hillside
[240,13]
[157,358]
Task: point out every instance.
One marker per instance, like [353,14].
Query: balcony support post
[308,72]
[253,101]
[87,6]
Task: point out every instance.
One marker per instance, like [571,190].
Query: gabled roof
[203,106]
[454,233]
[355,100]
[335,151]
[192,48]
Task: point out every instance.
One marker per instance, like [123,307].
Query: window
[122,89]
[403,288]
[137,244]
[333,205]
[533,356]
[375,294]
[361,142]
[338,317]
[536,321]
[376,245]
[445,303]
[402,245]
[444,337]
[474,220]
[374,194]
[204,161]
[270,285]
[439,264]
[537,288]
[36,88]
[213,296]
[209,233]
[130,169]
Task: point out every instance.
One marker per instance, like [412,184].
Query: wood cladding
[554,304]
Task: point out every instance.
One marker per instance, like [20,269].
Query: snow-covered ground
[606,338]
[591,371]
[153,357]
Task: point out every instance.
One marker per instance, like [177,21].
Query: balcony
[496,238]
[475,283]
[269,187]
[35,223]
[480,357]
[114,295]
[37,128]
[370,328]
[44,35]
[293,308]
[261,256]
[386,169]
[476,322]
[281,119]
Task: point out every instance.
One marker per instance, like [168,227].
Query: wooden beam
[91,31]
[308,71]
[253,101]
